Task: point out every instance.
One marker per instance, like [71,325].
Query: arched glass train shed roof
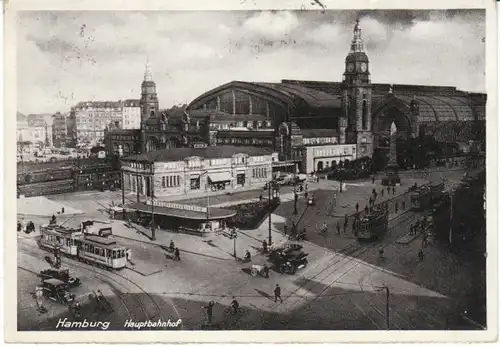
[436,108]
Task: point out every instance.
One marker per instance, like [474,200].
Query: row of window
[171,181]
[326,152]
[259,173]
[102,252]
[242,124]
[253,141]
[320,140]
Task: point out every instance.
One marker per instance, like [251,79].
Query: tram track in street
[107,275]
[352,256]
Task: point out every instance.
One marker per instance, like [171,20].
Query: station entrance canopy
[182,211]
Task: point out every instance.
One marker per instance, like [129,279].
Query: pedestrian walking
[357,207]
[421,255]
[62,210]
[177,254]
[305,194]
[373,179]
[261,197]
[266,271]
[277,293]
[264,246]
[210,310]
[393,189]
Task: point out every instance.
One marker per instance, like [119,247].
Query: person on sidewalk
[210,309]
[373,179]
[421,255]
[266,271]
[248,256]
[394,190]
[264,246]
[171,247]
[357,207]
[177,254]
[277,293]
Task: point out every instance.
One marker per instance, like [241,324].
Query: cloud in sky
[67,57]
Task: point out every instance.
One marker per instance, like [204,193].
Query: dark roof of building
[179,154]
[319,132]
[314,98]
[433,108]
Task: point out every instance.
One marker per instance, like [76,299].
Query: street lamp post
[152,192]
[208,196]
[295,199]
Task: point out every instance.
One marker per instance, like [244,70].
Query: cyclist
[235,305]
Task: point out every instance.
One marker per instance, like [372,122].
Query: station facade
[188,171]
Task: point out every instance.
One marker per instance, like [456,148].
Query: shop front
[219,181]
[189,219]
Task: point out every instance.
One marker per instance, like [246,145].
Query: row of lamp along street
[273,194]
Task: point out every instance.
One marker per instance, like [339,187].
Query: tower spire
[357,40]
[147,73]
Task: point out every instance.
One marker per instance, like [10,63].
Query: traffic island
[407,239]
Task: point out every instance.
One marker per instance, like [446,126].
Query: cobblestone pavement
[341,288]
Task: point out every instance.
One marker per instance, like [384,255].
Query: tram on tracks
[425,196]
[372,225]
[92,243]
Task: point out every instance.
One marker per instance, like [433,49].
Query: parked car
[62,275]
[288,259]
[56,290]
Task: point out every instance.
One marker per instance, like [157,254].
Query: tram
[372,225]
[94,246]
[424,197]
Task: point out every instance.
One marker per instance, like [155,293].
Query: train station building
[181,171]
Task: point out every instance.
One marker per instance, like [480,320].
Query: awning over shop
[220,177]
[213,212]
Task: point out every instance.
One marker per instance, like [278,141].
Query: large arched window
[365,115]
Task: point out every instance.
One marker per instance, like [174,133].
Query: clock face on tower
[364,67]
[350,67]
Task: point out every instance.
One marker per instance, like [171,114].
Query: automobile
[288,259]
[289,262]
[62,275]
[56,290]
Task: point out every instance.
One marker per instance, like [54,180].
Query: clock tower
[355,123]
[149,98]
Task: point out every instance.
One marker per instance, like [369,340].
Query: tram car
[424,197]
[91,243]
[372,225]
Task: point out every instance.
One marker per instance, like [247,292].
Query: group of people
[235,305]
[175,251]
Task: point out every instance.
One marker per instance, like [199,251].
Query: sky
[67,57]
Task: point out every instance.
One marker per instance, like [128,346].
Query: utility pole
[123,188]
[451,217]
[387,294]
[270,224]
[234,243]
[152,192]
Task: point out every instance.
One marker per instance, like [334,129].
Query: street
[343,286]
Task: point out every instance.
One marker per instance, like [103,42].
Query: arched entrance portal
[320,165]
